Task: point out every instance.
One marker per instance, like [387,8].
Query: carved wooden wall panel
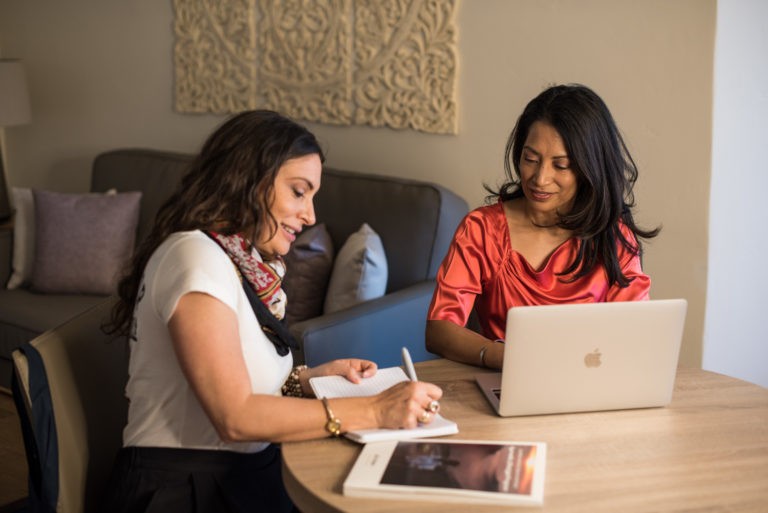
[214,56]
[375,62]
[305,65]
[405,56]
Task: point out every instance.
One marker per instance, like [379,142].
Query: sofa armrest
[376,330]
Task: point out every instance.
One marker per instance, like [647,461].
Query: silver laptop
[587,357]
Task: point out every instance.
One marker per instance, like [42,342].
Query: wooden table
[706,452]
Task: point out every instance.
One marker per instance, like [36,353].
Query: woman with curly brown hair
[212,385]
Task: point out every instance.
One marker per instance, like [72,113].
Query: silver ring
[424,417]
[433,406]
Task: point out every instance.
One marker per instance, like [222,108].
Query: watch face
[333,427]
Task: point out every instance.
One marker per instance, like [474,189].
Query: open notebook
[338,386]
[587,357]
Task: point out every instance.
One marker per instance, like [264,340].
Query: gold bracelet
[292,385]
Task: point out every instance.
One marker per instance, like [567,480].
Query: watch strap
[333,425]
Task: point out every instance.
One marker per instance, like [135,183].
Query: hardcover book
[472,471]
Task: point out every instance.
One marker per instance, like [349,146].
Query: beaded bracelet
[292,385]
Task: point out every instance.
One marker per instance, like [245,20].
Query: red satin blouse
[483,270]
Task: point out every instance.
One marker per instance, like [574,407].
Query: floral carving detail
[376,62]
[305,62]
[406,64]
[214,55]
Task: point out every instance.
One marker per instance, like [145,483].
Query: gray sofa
[415,221]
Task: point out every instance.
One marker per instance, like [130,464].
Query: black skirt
[165,480]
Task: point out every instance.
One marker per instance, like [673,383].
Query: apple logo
[593,359]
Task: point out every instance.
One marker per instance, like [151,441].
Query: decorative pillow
[82,241]
[359,272]
[23,237]
[308,269]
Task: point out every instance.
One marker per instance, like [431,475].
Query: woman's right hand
[404,405]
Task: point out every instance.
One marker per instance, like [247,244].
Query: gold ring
[424,417]
[433,406]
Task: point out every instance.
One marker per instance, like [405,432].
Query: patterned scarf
[265,279]
[261,283]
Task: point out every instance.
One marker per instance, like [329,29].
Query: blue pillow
[359,271]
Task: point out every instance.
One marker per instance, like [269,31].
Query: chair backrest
[86,372]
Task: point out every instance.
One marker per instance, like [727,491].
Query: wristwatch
[333,426]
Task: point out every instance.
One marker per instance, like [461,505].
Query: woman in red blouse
[560,230]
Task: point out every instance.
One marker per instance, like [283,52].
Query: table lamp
[14,110]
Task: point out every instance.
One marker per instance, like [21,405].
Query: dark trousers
[164,480]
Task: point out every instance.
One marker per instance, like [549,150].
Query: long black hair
[228,187]
[605,171]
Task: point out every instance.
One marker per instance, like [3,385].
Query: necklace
[537,225]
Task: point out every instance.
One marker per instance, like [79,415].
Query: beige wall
[101,77]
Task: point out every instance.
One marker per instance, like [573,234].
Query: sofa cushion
[82,241]
[359,271]
[23,237]
[308,269]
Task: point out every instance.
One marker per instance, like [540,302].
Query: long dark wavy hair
[605,171]
[227,187]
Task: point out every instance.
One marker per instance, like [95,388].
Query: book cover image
[487,467]
[495,472]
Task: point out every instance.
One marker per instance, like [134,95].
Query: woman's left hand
[353,369]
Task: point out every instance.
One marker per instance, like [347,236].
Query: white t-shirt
[164,411]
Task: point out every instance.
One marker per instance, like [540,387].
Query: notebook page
[339,386]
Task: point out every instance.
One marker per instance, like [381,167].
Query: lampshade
[14,97]
[14,110]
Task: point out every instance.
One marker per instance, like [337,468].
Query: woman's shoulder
[187,239]
[189,248]
[485,228]
[627,232]
[488,216]
[190,262]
